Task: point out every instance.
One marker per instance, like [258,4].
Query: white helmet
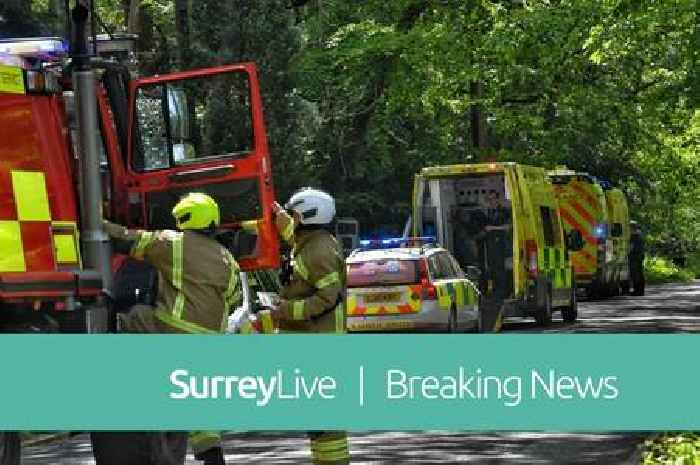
[312,205]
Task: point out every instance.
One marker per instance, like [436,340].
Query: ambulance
[501,222]
[599,214]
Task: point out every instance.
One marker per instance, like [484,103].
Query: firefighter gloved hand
[284,222]
[282,310]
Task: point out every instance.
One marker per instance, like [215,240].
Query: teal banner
[351,382]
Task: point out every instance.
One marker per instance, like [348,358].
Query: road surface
[668,308]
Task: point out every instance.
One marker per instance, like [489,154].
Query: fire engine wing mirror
[616,230]
[574,240]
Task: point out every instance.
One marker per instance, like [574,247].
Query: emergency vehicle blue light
[396,242]
[34,47]
[599,230]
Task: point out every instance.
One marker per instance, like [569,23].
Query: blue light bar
[396,242]
[39,48]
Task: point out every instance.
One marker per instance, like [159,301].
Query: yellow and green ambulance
[501,222]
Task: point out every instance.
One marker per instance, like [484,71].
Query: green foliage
[661,270]
[673,449]
[600,86]
[360,95]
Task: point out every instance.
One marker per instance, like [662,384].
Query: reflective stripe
[12,256]
[300,268]
[266,320]
[185,326]
[145,238]
[330,450]
[250,226]
[66,251]
[31,198]
[298,310]
[340,318]
[330,278]
[288,231]
[177,275]
[231,291]
[11,79]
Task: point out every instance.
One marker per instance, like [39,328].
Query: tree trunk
[478,122]
[182,27]
[132,24]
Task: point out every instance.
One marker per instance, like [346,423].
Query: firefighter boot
[212,456]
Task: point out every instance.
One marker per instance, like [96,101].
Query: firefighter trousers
[329,448]
[143,448]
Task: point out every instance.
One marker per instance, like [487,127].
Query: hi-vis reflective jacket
[198,279]
[316,292]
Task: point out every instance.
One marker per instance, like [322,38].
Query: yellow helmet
[196,211]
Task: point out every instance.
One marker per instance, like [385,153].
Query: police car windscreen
[383,272]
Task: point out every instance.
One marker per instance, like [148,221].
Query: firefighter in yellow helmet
[313,300]
[198,285]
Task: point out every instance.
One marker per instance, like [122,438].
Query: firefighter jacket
[316,292]
[198,279]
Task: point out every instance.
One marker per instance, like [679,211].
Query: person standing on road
[313,300]
[636,259]
[198,284]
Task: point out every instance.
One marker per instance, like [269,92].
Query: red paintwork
[34,136]
[255,165]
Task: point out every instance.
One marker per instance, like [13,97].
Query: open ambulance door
[203,131]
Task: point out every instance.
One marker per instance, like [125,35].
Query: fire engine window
[186,121]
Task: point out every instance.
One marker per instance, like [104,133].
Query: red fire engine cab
[157,138]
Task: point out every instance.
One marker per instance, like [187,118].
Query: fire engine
[81,140]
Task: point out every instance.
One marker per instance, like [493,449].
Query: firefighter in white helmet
[313,300]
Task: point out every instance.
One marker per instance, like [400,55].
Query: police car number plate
[380,325]
[382,297]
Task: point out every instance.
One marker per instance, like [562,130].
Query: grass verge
[662,270]
[672,449]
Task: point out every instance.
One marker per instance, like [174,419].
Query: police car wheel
[452,321]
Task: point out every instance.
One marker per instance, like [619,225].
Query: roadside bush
[661,270]
[694,263]
[673,449]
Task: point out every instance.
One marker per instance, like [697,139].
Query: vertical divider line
[362,385]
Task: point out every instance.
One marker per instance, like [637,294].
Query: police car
[408,284]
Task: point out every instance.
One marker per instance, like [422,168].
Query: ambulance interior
[475,223]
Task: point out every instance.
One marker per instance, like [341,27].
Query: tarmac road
[667,308]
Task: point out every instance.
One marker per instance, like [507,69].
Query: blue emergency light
[396,242]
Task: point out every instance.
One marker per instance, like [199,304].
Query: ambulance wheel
[543,316]
[10,448]
[570,313]
[452,321]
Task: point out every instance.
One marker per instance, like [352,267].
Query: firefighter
[313,300]
[198,284]
[636,259]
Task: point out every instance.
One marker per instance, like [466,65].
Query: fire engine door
[203,131]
